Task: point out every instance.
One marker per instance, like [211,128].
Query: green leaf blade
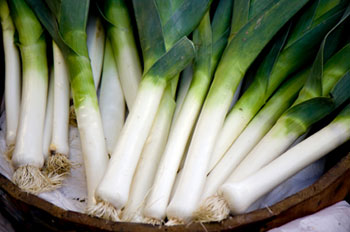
[313,86]
[150,34]
[220,30]
[26,22]
[173,61]
[183,20]
[249,41]
[300,117]
[72,24]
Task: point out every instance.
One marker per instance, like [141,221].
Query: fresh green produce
[28,156]
[12,76]
[325,90]
[111,100]
[256,129]
[241,194]
[66,22]
[333,70]
[58,162]
[150,156]
[47,134]
[282,53]
[303,40]
[187,110]
[96,46]
[241,51]
[119,31]
[165,53]
[246,157]
[204,65]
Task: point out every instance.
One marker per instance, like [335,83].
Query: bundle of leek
[238,55]
[66,22]
[324,91]
[166,52]
[209,49]
[303,40]
[271,72]
[238,163]
[241,194]
[28,156]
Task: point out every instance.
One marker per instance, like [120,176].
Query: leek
[296,121]
[96,44]
[120,33]
[254,161]
[66,22]
[28,156]
[165,53]
[240,195]
[293,123]
[302,43]
[58,162]
[239,54]
[150,157]
[115,186]
[12,77]
[48,117]
[112,102]
[204,64]
[255,130]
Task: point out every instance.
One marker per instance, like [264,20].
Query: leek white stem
[159,197]
[28,152]
[126,56]
[95,44]
[58,164]
[184,204]
[48,117]
[129,73]
[234,124]
[149,160]
[12,75]
[240,195]
[111,100]
[184,85]
[115,185]
[253,133]
[29,148]
[59,142]
[176,182]
[222,144]
[93,146]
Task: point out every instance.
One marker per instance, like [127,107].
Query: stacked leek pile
[167,134]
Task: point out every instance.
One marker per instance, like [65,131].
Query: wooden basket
[28,212]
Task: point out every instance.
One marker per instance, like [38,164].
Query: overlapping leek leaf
[302,43]
[164,58]
[240,195]
[220,25]
[241,51]
[66,23]
[180,133]
[306,111]
[243,11]
[120,33]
